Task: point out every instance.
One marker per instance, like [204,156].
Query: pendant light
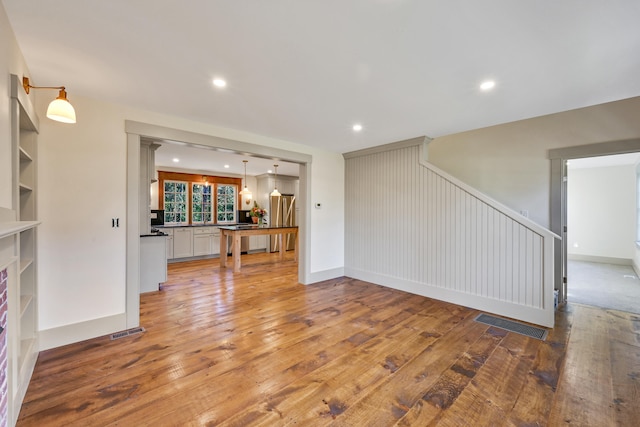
[60,109]
[245,192]
[275,192]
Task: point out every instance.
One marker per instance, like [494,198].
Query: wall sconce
[60,109]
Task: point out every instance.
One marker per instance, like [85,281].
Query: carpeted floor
[603,285]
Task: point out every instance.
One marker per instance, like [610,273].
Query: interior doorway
[558,202]
[601,231]
[135,132]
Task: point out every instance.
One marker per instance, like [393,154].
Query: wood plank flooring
[257,349]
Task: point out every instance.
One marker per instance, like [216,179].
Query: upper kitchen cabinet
[267,182]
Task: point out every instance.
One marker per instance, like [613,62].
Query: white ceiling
[306,71]
[208,160]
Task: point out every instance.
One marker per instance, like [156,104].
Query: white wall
[601,212]
[83,185]
[509,162]
[11,62]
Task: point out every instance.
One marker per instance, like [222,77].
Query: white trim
[68,334]
[600,259]
[542,317]
[321,276]
[132,287]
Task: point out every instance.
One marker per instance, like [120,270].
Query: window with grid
[226,203]
[201,211]
[176,196]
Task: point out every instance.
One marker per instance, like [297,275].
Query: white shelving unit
[20,237]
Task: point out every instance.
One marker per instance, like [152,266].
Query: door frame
[137,130]
[558,204]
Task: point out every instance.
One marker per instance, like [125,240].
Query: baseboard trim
[321,276]
[600,259]
[76,332]
[537,316]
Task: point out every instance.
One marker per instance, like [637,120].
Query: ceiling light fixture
[245,192]
[275,192]
[175,160]
[488,85]
[219,83]
[357,127]
[60,109]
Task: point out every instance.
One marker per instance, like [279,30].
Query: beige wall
[509,162]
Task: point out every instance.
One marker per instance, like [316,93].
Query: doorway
[601,231]
[135,131]
[558,202]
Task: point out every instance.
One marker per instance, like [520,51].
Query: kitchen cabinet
[182,242]
[153,262]
[169,233]
[206,241]
[147,177]
[257,243]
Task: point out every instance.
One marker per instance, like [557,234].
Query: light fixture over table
[245,192]
[60,109]
[275,192]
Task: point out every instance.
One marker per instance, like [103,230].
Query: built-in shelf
[25,300]
[24,156]
[25,348]
[18,237]
[24,264]
[24,188]
[15,227]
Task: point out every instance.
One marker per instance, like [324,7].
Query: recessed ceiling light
[488,85]
[269,171]
[219,82]
[226,166]
[357,127]
[176,160]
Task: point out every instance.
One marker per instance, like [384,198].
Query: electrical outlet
[524,213]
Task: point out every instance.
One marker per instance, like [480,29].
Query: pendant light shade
[245,191]
[60,109]
[275,192]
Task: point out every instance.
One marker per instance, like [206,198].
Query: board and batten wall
[411,226]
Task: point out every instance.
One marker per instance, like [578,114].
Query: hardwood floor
[257,349]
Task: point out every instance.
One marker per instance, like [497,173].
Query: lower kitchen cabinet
[169,233]
[258,242]
[206,241]
[182,242]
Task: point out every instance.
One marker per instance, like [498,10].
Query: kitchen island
[237,231]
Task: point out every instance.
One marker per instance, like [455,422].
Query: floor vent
[126,333]
[510,325]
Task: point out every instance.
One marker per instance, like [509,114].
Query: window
[201,211]
[175,202]
[197,199]
[226,203]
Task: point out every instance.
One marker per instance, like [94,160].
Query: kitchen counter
[236,232]
[154,234]
[197,225]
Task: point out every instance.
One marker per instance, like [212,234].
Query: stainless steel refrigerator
[283,212]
